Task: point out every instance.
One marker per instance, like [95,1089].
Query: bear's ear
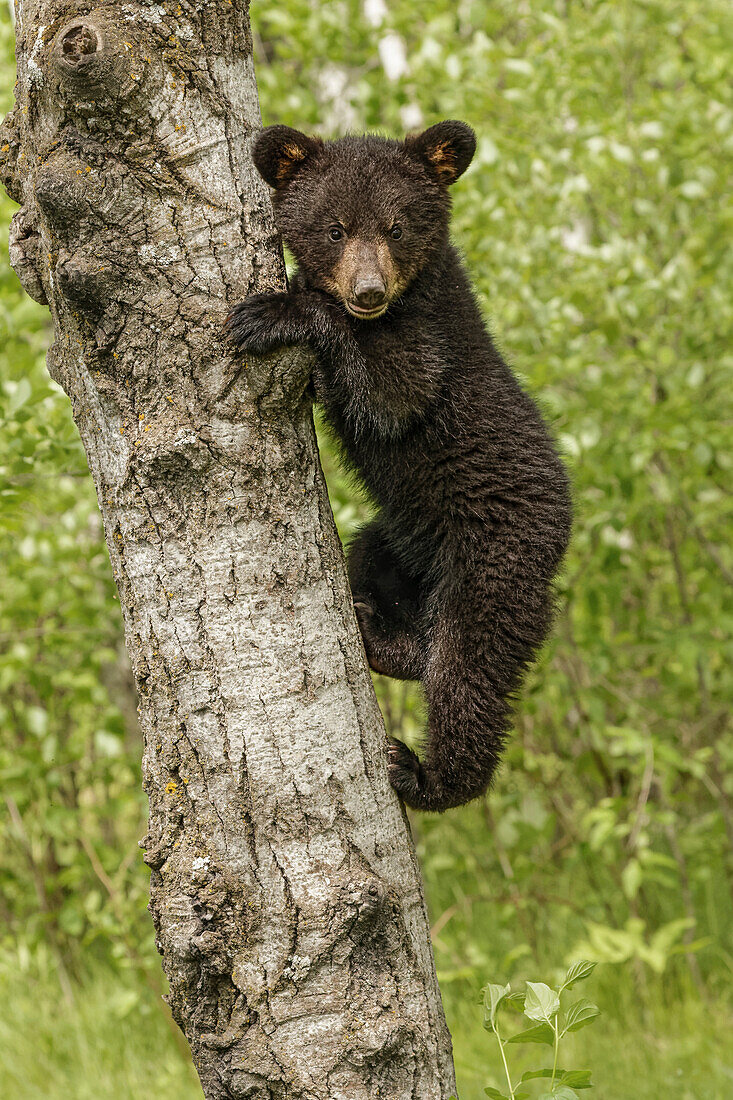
[446,150]
[279,151]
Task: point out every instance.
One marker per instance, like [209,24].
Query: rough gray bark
[285,891]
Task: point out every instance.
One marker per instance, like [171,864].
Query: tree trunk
[285,891]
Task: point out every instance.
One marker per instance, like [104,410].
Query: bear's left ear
[279,151]
[446,149]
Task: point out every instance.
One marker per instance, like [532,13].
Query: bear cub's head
[363,216]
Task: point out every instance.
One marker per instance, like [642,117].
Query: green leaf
[493,996]
[631,877]
[541,1002]
[580,1014]
[578,972]
[495,1094]
[540,1033]
[663,939]
[534,1074]
[18,398]
[576,1078]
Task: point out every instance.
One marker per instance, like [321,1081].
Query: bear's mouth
[365,314]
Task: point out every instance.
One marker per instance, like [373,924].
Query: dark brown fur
[452,578]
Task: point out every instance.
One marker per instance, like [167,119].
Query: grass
[114,1042]
[685,1052]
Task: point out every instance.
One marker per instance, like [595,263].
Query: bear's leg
[468,722]
[485,629]
[389,606]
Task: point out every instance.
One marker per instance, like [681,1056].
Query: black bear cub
[452,578]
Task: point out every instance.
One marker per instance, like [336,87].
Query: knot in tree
[77,42]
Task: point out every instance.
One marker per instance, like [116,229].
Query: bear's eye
[335,233]
[395,232]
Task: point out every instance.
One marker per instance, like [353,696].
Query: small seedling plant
[551,1020]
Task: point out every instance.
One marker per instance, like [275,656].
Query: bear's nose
[370,293]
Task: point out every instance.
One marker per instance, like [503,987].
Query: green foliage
[595,224]
[541,1004]
[111,1041]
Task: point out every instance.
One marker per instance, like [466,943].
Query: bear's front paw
[259,324]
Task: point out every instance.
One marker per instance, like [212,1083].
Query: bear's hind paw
[408,776]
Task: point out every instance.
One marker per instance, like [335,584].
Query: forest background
[596,224]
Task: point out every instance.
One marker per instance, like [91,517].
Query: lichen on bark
[284,887]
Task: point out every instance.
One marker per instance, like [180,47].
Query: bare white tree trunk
[285,891]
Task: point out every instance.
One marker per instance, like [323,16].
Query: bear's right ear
[279,151]
[445,150]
